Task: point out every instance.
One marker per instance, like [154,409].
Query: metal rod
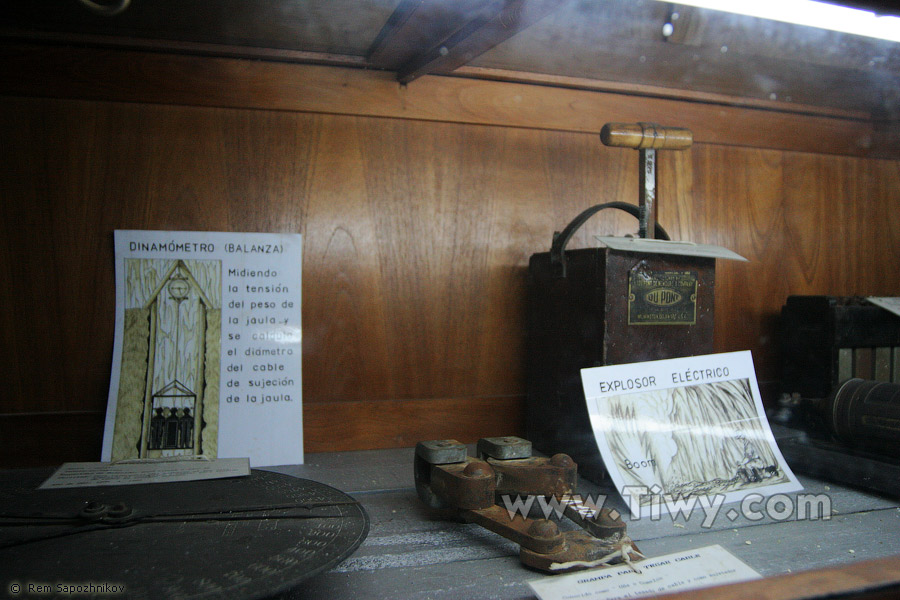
[647,191]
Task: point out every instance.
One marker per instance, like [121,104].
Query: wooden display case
[424,150]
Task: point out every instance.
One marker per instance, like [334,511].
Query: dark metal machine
[826,340]
[446,477]
[604,306]
[851,437]
[841,378]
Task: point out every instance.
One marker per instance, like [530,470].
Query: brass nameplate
[662,297]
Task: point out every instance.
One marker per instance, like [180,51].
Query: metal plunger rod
[646,138]
[647,192]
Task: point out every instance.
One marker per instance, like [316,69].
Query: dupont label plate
[662,297]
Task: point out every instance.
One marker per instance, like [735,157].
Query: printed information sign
[692,569]
[207,354]
[674,432]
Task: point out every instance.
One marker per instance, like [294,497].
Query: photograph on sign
[167,399]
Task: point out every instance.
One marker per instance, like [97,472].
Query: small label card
[207,354]
[93,474]
[676,432]
[693,569]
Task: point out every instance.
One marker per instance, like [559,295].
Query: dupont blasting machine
[632,300]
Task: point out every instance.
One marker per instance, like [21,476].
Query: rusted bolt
[562,460]
[477,469]
[94,507]
[93,511]
[543,528]
[120,510]
[119,513]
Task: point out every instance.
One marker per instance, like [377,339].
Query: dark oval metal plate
[255,557]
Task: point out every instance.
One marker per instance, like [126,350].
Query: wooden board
[416,240]
[709,51]
[132,76]
[329,26]
[415,552]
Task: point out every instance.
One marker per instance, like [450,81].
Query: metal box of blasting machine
[635,300]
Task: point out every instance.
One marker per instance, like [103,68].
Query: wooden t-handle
[646,136]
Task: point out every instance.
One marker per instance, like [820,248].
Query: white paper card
[207,354]
[668,247]
[678,431]
[692,569]
[92,474]
[891,303]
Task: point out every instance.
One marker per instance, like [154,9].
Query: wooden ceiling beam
[417,25]
[380,50]
[117,75]
[494,23]
[180,47]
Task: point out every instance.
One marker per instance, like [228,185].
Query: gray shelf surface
[413,552]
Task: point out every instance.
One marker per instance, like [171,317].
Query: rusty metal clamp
[446,477]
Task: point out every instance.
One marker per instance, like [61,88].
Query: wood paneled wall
[417,234]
